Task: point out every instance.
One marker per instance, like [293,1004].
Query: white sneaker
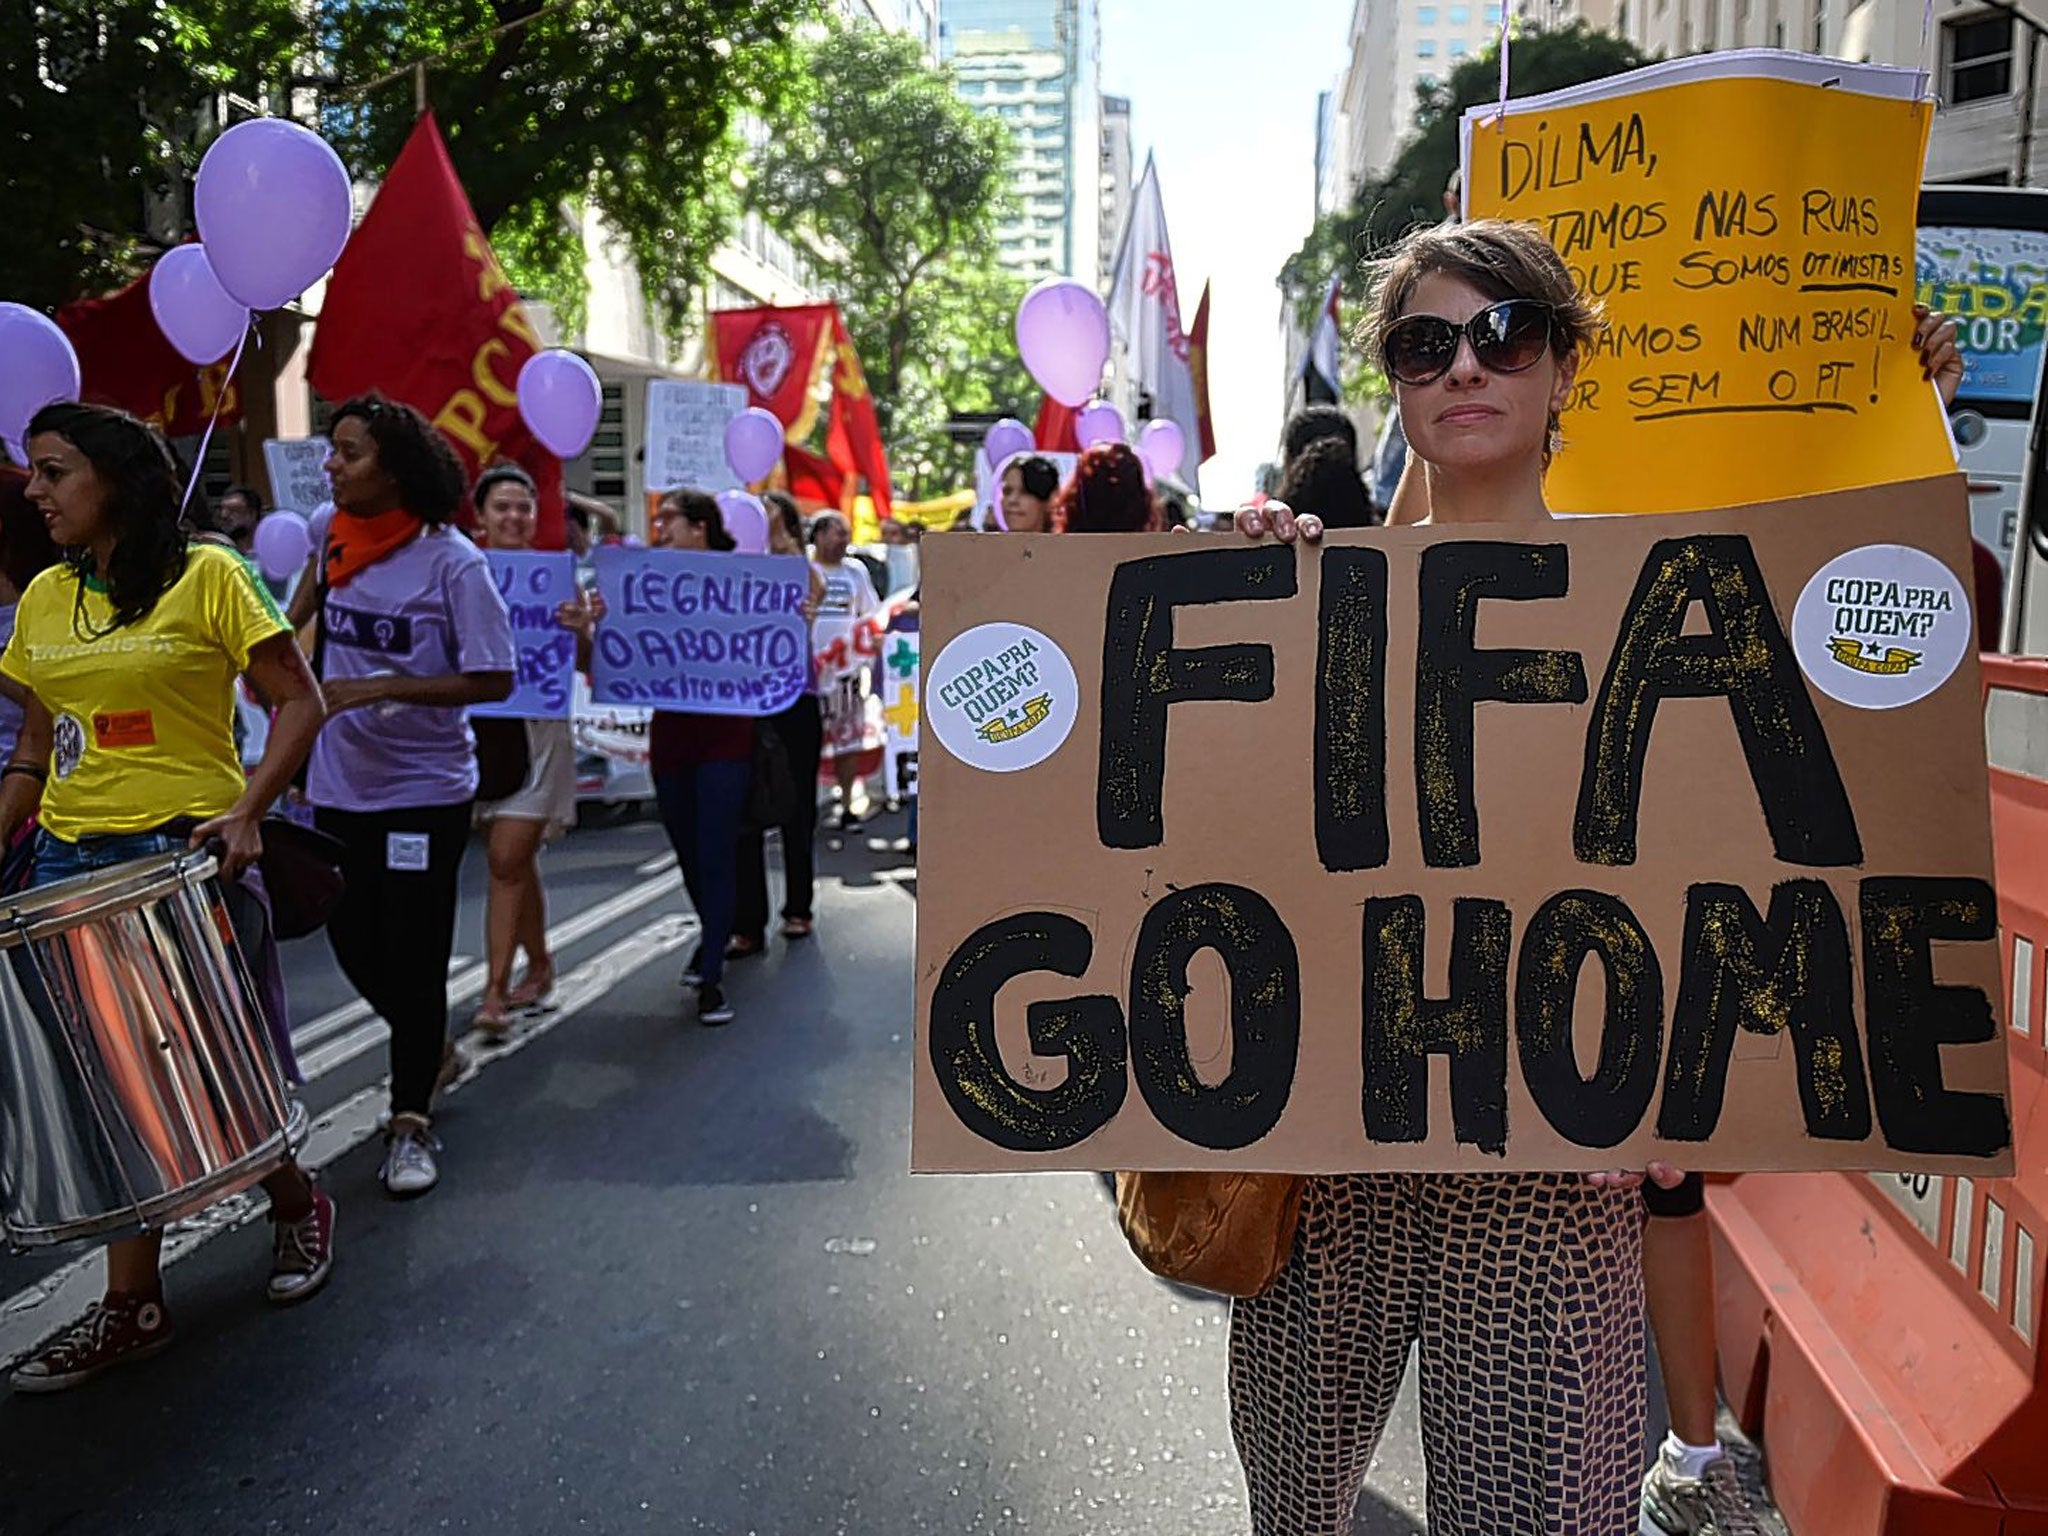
[409,1167]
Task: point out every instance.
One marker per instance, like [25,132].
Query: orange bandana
[354,543]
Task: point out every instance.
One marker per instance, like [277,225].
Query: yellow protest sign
[1751,239]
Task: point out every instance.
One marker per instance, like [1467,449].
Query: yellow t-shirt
[144,713]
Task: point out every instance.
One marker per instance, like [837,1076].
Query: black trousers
[394,929]
[803,736]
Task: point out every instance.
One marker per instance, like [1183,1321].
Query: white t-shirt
[849,590]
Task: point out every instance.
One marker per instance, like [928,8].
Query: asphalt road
[674,1279]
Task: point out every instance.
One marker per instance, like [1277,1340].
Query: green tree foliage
[1412,190]
[632,107]
[104,109]
[970,368]
[896,185]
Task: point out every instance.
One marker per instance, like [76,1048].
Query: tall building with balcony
[1036,65]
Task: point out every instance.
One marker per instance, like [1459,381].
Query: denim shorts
[60,859]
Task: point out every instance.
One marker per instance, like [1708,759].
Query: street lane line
[37,1312]
[462,984]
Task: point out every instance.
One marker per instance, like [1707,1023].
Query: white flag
[1319,367]
[1144,309]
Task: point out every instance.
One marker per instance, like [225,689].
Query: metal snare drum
[137,1081]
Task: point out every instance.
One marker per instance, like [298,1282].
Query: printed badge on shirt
[67,744]
[389,634]
[405,852]
[114,729]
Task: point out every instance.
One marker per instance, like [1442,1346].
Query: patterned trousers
[1525,1293]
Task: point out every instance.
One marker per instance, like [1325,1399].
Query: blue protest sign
[712,634]
[534,583]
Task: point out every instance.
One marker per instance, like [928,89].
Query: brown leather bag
[1230,1233]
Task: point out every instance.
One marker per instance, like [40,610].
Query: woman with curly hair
[1107,493]
[410,630]
[124,658]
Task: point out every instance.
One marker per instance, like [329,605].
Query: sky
[1223,93]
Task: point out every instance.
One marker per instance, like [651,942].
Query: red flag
[1198,362]
[812,479]
[854,442]
[1054,430]
[419,308]
[777,352]
[124,361]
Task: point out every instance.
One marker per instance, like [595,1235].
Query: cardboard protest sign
[896,679]
[686,422]
[298,473]
[1541,846]
[713,634]
[1747,221]
[534,584]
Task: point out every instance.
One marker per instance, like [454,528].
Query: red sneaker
[116,1330]
[302,1252]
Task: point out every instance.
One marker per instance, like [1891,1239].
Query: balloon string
[1926,31]
[220,400]
[1501,108]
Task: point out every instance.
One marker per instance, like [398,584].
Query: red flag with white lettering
[419,308]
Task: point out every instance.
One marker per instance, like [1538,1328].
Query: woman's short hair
[1037,475]
[503,472]
[413,453]
[1107,494]
[1323,478]
[702,507]
[1502,260]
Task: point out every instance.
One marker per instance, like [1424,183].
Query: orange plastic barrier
[1880,1334]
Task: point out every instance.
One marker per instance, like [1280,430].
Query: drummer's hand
[1278,519]
[1934,336]
[1663,1175]
[241,836]
[351,693]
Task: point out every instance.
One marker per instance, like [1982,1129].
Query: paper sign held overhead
[1746,220]
[298,473]
[1534,847]
[686,421]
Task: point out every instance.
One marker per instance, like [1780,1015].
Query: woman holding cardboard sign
[1523,1291]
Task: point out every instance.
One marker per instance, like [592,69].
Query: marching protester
[1524,1291]
[702,766]
[1107,493]
[1324,479]
[1489,315]
[127,654]
[847,596]
[1029,485]
[800,729]
[235,517]
[409,630]
[541,755]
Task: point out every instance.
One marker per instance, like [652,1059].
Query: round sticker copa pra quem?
[1001,697]
[1882,626]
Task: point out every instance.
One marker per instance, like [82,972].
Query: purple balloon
[746,519]
[753,444]
[273,206]
[192,309]
[1162,445]
[37,366]
[1098,422]
[283,541]
[15,451]
[559,400]
[1063,336]
[1006,439]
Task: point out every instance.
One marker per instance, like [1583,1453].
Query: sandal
[796,927]
[493,1020]
[533,991]
[737,948]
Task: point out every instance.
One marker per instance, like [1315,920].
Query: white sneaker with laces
[409,1167]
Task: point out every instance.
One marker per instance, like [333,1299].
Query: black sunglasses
[1508,337]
